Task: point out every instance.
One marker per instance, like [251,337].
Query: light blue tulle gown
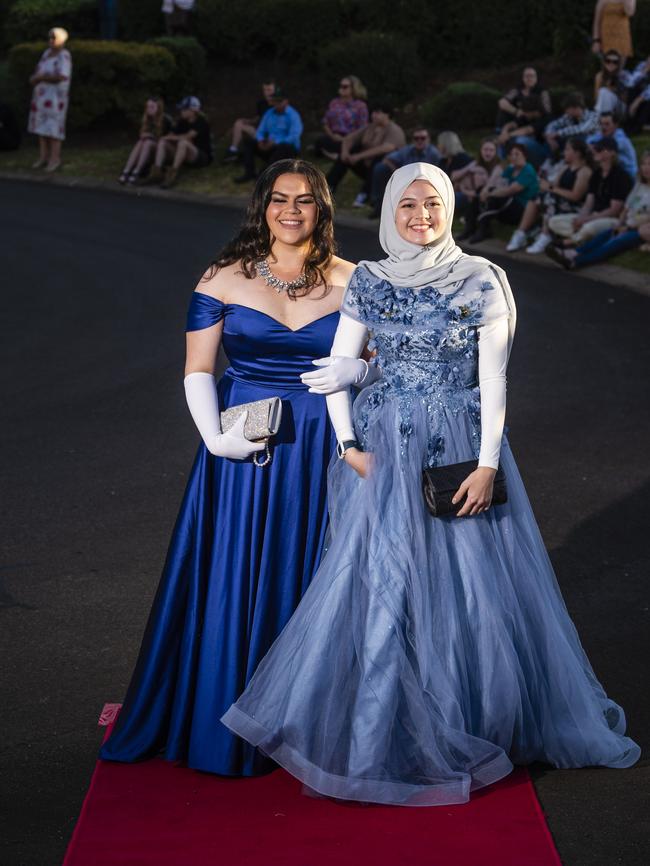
[428,655]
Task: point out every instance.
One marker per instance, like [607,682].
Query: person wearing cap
[420,150]
[576,120]
[277,137]
[49,105]
[363,149]
[608,188]
[189,143]
[609,127]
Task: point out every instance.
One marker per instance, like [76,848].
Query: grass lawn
[102,157]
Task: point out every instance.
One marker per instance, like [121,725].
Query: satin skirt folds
[428,655]
[246,543]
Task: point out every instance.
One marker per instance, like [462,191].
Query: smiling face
[292,212]
[607,125]
[516,158]
[420,216]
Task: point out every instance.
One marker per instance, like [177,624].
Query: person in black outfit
[246,127]
[9,129]
[189,143]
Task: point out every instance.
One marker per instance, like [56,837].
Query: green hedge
[464,105]
[387,64]
[239,31]
[139,20]
[190,58]
[107,77]
[32,19]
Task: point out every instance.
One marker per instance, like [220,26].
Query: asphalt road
[96,445]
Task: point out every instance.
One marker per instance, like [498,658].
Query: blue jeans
[605,245]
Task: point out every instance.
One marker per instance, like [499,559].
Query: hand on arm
[348,342]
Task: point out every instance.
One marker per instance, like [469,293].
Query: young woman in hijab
[429,654]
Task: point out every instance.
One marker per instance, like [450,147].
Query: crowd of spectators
[567,181]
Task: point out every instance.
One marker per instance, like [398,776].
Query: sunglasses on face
[419,138]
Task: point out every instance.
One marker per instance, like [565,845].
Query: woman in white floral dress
[51,80]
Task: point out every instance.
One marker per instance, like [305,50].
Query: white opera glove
[338,372]
[203,403]
[492,364]
[349,340]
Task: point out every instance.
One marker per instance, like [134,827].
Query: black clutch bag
[441,482]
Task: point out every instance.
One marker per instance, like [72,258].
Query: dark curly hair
[254,240]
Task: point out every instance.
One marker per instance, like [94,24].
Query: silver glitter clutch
[263,421]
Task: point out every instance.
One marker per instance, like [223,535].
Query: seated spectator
[363,149]
[485,169]
[154,124]
[188,143]
[576,120]
[452,154]
[609,87]
[609,186]
[346,113]
[638,84]
[508,201]
[609,128]
[277,137]
[177,14]
[247,126]
[523,114]
[9,128]
[631,230]
[420,150]
[564,190]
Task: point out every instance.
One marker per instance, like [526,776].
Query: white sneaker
[541,242]
[517,242]
[360,200]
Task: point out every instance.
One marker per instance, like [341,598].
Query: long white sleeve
[349,340]
[203,403]
[492,364]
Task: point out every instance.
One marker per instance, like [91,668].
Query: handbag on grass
[263,421]
[440,483]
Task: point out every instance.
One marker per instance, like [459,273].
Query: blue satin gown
[246,544]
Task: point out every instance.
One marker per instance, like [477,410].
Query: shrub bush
[139,20]
[190,59]
[107,77]
[270,28]
[31,19]
[387,64]
[464,105]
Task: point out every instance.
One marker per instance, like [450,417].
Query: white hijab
[441,264]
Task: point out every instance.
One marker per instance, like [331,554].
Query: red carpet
[162,814]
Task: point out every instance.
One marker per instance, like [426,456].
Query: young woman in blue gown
[428,654]
[247,540]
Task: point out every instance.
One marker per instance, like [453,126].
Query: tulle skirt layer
[428,655]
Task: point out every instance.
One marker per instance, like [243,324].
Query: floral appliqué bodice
[426,343]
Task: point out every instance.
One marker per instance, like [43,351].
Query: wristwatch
[344,446]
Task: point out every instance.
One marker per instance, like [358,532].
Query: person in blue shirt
[609,128]
[277,136]
[420,150]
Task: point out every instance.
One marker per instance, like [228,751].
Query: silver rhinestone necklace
[264,271]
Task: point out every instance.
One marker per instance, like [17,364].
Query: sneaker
[556,255]
[360,200]
[539,245]
[154,176]
[230,156]
[516,242]
[171,176]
